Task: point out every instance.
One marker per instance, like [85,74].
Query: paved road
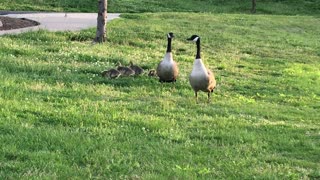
[58,21]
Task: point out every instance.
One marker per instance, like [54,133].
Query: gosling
[111,73]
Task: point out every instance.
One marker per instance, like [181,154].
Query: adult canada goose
[167,69]
[125,71]
[112,73]
[201,78]
[137,69]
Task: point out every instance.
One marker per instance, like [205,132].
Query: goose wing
[211,80]
[175,69]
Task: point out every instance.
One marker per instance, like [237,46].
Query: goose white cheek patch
[196,39]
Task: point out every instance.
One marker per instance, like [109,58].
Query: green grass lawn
[59,119]
[287,7]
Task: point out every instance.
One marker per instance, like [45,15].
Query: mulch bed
[16,23]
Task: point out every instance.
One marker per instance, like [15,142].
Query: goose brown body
[167,69]
[202,79]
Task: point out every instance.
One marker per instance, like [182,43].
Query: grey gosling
[137,69]
[125,71]
[201,78]
[167,69]
[152,73]
[112,73]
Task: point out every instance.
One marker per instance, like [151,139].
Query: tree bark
[254,4]
[101,21]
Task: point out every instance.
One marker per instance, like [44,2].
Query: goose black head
[170,35]
[194,38]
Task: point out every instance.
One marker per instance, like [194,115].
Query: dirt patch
[16,23]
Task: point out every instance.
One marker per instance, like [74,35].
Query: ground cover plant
[60,119]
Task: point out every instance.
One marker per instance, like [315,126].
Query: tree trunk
[101,21]
[254,4]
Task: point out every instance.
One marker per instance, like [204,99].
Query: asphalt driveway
[57,21]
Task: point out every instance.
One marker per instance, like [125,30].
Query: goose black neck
[169,45]
[198,49]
